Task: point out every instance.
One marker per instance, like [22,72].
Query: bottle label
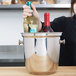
[33,28]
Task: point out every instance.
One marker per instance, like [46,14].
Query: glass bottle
[30,24]
[47,27]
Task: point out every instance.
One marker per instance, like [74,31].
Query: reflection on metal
[21,42]
[62,41]
[42,51]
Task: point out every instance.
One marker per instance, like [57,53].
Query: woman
[67,25]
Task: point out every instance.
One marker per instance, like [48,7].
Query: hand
[27,12]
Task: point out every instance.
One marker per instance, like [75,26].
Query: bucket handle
[20,42]
[62,41]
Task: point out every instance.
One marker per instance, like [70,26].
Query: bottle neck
[46,19]
[47,24]
[29,4]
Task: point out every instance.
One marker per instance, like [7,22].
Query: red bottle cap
[46,19]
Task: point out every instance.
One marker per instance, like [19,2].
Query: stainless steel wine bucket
[42,52]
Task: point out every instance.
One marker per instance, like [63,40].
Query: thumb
[33,7]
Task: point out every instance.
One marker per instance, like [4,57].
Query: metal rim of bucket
[42,35]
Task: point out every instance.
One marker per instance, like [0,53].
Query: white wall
[54,13]
[11,25]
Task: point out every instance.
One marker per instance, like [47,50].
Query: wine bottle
[47,27]
[30,24]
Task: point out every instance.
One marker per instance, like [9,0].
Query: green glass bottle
[30,24]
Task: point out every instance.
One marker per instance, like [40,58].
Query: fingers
[26,7]
[27,11]
[27,14]
[33,7]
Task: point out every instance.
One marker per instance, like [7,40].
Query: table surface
[21,71]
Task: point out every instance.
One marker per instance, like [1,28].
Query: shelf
[39,6]
[53,6]
[13,6]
